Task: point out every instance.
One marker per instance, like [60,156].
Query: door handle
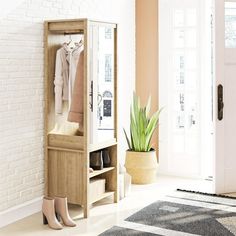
[220,96]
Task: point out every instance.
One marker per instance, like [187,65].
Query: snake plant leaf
[127,139]
[135,107]
[131,120]
[134,133]
[151,128]
[148,106]
[149,137]
[153,121]
[140,122]
[142,126]
[131,141]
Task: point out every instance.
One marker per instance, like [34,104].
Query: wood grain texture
[45,107]
[66,26]
[66,175]
[112,176]
[86,120]
[66,141]
[67,156]
[96,189]
[97,146]
[99,172]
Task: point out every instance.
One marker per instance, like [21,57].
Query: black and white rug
[182,214]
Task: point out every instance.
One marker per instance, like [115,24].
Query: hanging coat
[65,72]
[76,108]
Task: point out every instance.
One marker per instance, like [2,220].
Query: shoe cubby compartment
[112,152]
[96,189]
[110,174]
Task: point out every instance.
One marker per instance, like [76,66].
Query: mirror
[102,83]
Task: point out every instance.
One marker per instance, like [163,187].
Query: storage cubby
[67,147]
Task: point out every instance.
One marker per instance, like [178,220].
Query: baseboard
[19,212]
[177,175]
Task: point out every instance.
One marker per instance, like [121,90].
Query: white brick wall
[21,85]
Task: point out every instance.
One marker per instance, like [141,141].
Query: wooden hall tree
[67,152]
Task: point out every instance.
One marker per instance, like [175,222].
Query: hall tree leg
[86,210]
[86,188]
[114,183]
[116,197]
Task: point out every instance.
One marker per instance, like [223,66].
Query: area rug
[181,214]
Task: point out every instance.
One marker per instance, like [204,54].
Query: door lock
[220,96]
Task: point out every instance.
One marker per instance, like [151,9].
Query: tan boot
[62,209]
[49,216]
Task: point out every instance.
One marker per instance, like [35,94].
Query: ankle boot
[62,209]
[106,158]
[96,160]
[49,216]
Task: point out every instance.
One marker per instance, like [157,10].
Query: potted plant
[141,161]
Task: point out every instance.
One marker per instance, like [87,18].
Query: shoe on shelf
[106,158]
[96,161]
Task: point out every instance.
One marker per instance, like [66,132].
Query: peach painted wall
[147,53]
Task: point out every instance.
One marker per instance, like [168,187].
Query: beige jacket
[76,108]
[65,72]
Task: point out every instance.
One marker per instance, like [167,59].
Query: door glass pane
[191,17]
[191,144]
[179,60]
[191,79]
[191,60]
[230,24]
[191,38]
[179,77]
[178,38]
[178,143]
[178,18]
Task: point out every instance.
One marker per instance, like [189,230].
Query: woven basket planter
[142,166]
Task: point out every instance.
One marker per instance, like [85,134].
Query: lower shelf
[99,172]
[104,195]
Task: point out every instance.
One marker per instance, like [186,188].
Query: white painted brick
[22,91]
[27,192]
[3,195]
[13,196]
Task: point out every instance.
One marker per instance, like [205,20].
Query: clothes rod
[69,33]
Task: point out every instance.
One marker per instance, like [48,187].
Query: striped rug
[182,214]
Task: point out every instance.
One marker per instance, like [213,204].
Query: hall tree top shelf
[66,153]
